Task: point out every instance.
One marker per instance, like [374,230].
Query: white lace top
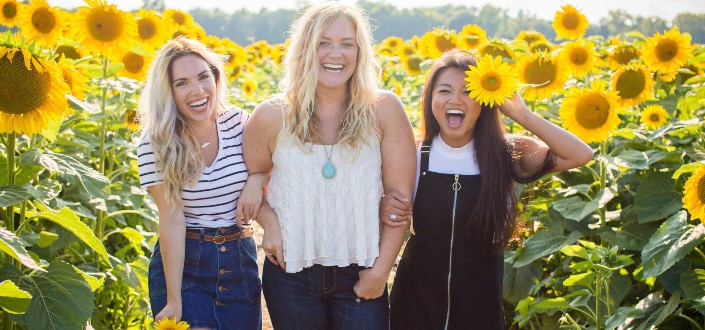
[331,222]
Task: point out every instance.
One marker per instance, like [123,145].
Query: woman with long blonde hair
[334,143]
[203,268]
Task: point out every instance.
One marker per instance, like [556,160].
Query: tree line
[245,26]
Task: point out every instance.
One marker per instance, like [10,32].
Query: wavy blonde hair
[173,142]
[300,77]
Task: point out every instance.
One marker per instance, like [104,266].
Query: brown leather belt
[218,239]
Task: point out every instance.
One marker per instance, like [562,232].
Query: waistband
[220,234]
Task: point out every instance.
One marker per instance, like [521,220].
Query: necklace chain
[207,142]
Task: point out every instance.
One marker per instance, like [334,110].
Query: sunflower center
[631,84]
[540,72]
[9,10]
[495,50]
[133,62]
[491,81]
[701,190]
[393,43]
[578,56]
[104,25]
[68,52]
[471,40]
[21,90]
[592,111]
[571,21]
[179,18]
[655,118]
[624,56]
[43,20]
[414,63]
[146,29]
[443,44]
[666,50]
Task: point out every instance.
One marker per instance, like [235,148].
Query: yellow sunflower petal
[170,324]
[103,28]
[654,116]
[569,23]
[545,73]
[580,56]
[590,113]
[694,195]
[633,84]
[668,52]
[491,81]
[9,12]
[41,22]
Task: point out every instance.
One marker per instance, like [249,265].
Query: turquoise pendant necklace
[328,170]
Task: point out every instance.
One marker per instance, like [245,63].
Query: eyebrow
[344,39]
[199,74]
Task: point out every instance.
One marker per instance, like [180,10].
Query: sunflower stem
[100,217]
[603,182]
[10,148]
[700,252]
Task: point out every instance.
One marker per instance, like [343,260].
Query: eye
[348,44]
[205,76]
[180,83]
[324,43]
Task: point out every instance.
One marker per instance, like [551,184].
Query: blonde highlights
[175,148]
[300,77]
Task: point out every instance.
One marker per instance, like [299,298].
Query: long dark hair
[495,213]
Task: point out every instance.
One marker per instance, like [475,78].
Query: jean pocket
[252,285]
[157,276]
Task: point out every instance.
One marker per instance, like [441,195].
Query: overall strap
[425,152]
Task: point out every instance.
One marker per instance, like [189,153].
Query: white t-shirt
[448,160]
[212,201]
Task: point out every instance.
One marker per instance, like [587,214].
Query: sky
[594,10]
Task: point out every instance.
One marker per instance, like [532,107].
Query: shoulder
[388,107]
[233,116]
[271,110]
[521,143]
[143,145]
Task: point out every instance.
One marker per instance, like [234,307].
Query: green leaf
[12,246]
[623,314]
[633,159]
[23,175]
[517,282]
[575,251]
[671,242]
[655,198]
[94,182]
[632,235]
[61,298]
[46,238]
[13,299]
[11,195]
[93,282]
[542,244]
[134,236]
[584,279]
[693,285]
[67,219]
[551,303]
[687,168]
[575,208]
[655,319]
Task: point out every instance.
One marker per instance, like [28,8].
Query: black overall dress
[419,297]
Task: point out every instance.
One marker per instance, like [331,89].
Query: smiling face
[337,54]
[194,89]
[454,110]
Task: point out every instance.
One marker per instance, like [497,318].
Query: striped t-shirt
[211,202]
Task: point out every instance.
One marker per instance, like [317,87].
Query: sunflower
[276,52]
[471,37]
[8,12]
[654,116]
[580,55]
[169,323]
[622,54]
[39,21]
[491,81]
[179,17]
[590,113]
[69,51]
[569,23]
[135,64]
[694,195]
[496,47]
[32,92]
[410,59]
[633,84]
[103,28]
[668,52]
[131,121]
[434,43]
[390,46]
[152,30]
[545,74]
[76,80]
[530,37]
[248,87]
[542,46]
[690,71]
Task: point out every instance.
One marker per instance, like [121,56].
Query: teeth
[199,103]
[454,112]
[333,66]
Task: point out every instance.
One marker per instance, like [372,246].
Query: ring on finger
[393,217]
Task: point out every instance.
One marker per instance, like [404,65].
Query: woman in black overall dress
[450,275]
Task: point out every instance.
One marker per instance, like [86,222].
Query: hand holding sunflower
[491,81]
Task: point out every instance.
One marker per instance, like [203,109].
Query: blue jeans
[321,297]
[220,288]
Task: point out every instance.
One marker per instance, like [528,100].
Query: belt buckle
[219,239]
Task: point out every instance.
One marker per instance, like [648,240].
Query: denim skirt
[220,288]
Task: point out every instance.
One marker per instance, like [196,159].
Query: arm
[570,151]
[398,171]
[172,243]
[250,200]
[258,143]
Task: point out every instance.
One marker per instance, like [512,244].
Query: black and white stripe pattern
[211,202]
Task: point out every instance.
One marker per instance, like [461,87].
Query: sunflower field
[617,243]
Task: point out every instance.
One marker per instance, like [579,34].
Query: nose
[456,98]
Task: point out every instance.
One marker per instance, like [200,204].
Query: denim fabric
[220,287]
[321,297]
